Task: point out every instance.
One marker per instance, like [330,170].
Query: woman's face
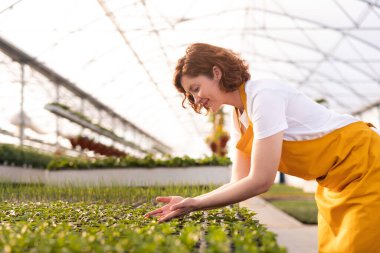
[204,90]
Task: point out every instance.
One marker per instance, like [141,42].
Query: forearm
[233,193]
[216,190]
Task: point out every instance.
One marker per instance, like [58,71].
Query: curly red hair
[200,58]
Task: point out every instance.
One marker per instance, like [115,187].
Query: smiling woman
[206,74]
[279,128]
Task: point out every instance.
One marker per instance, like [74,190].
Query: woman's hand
[177,206]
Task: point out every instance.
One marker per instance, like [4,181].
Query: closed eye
[196,89]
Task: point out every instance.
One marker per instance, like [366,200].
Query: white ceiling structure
[123,52]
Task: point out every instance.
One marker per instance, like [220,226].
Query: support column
[57,100]
[22,114]
[82,112]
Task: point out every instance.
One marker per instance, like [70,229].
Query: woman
[281,129]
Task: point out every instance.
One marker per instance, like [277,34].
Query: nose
[197,99]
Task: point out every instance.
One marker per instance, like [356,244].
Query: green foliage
[294,201]
[80,227]
[22,192]
[80,224]
[22,156]
[129,161]
[306,211]
[17,156]
[278,191]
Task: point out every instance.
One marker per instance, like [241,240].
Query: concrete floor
[295,236]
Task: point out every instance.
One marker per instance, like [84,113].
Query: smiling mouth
[205,104]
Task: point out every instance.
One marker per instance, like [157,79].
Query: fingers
[163,199]
[182,204]
[171,215]
[158,214]
[176,206]
[159,210]
[167,213]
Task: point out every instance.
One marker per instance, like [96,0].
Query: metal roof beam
[20,56]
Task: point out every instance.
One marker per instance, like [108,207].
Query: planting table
[120,176]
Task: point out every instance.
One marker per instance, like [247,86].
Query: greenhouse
[102,148]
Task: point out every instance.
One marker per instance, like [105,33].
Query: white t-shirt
[275,106]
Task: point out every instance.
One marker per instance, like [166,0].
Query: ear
[217,72]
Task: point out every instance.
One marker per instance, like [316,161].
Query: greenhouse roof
[123,52]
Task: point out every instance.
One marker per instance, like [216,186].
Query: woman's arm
[216,190]
[265,159]
[241,161]
[239,170]
[240,166]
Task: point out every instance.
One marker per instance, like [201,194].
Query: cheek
[217,91]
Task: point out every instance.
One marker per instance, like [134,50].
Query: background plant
[22,156]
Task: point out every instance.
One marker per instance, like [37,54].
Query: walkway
[292,234]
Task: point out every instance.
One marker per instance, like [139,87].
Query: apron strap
[238,120]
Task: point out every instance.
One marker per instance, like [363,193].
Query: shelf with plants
[20,165]
[132,162]
[33,142]
[21,156]
[84,143]
[82,120]
[11,155]
[75,223]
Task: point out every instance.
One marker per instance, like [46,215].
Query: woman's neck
[233,98]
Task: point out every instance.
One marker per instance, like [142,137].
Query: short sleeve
[267,111]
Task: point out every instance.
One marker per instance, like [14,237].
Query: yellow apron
[346,165]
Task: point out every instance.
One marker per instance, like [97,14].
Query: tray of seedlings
[96,222]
